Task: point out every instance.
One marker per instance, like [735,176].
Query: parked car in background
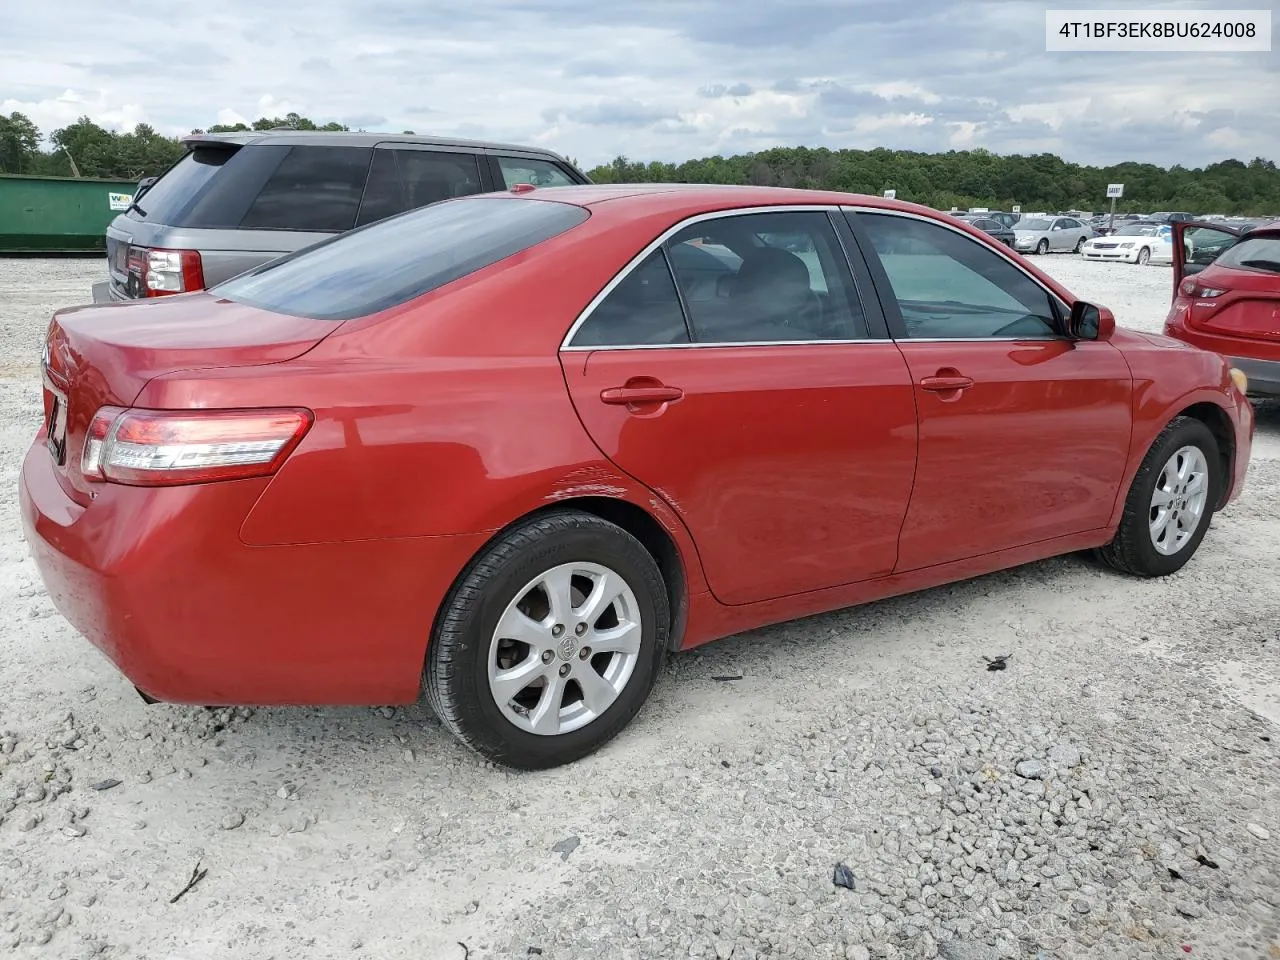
[1227,296]
[1002,218]
[990,226]
[1166,217]
[1050,235]
[495,446]
[1102,225]
[1133,242]
[236,200]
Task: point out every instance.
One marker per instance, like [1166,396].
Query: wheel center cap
[568,647]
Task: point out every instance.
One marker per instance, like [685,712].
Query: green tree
[19,144]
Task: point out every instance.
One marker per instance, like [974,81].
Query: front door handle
[659,393]
[945,383]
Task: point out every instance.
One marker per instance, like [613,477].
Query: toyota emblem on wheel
[567,647]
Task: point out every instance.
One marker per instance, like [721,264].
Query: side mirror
[1090,322]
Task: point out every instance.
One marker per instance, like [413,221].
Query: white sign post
[891,194]
[1114,190]
[1017,208]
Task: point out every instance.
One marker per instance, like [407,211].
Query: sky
[655,80]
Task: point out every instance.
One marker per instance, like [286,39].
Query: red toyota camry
[514,448]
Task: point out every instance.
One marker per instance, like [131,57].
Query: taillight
[1191,288]
[151,448]
[164,272]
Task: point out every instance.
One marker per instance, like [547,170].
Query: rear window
[180,186]
[263,186]
[387,263]
[1253,253]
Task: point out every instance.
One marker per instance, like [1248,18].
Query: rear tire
[503,669]
[1042,247]
[1080,245]
[1168,511]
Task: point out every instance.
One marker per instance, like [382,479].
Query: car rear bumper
[1259,359]
[160,582]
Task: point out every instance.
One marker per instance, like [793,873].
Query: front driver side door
[1024,433]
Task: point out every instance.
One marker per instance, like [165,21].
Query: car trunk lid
[103,355]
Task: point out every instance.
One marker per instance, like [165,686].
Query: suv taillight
[155,448]
[164,272]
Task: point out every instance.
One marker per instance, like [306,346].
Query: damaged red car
[515,448]
[1226,283]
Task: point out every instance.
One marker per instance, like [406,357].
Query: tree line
[968,178]
[957,178]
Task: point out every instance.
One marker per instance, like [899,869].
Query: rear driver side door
[761,399]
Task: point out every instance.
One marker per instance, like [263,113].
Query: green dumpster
[59,214]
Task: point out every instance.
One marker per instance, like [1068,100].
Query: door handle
[648,394]
[942,384]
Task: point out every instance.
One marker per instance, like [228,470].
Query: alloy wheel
[1179,499]
[564,648]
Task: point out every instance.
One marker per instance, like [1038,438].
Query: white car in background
[1133,243]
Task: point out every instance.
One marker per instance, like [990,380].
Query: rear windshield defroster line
[385,264]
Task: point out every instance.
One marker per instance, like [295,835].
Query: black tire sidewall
[487,729]
[1042,247]
[1188,432]
[1144,255]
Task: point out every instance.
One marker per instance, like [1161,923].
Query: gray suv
[234,201]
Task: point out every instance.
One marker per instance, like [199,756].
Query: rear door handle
[653,394]
[941,384]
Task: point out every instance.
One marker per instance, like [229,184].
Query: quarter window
[313,189]
[950,287]
[766,278]
[644,309]
[539,173]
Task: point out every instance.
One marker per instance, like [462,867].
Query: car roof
[689,199]
[344,138]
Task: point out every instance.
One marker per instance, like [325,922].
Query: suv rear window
[385,264]
[1253,253]
[262,186]
[181,185]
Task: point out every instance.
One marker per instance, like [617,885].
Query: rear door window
[314,189]
[404,179]
[539,173]
[383,265]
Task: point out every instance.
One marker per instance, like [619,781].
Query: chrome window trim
[724,343]
[1000,250]
[566,344]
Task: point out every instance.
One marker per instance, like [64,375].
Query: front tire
[1170,503]
[1144,256]
[1042,247]
[549,643]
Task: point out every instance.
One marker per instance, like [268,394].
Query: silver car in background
[1051,235]
[234,201]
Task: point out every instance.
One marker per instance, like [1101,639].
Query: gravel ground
[1114,793]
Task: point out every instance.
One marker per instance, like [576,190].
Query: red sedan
[514,448]
[1226,285]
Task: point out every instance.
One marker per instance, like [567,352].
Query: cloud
[667,79]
